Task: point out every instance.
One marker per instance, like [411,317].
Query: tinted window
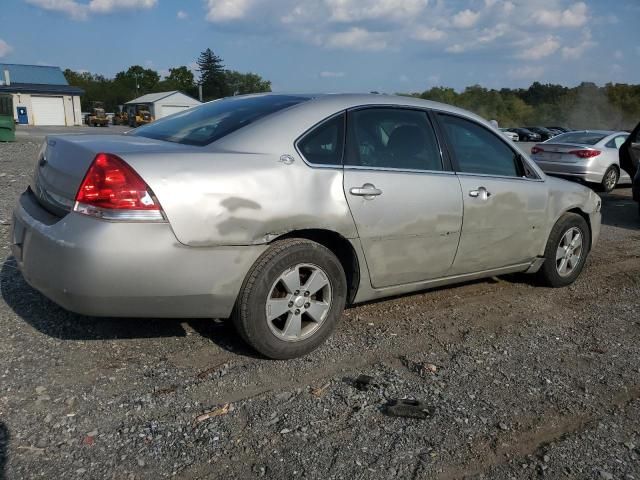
[477,150]
[392,138]
[210,122]
[324,144]
[581,138]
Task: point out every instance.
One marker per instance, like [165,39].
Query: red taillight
[535,150]
[112,189]
[585,153]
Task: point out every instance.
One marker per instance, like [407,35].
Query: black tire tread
[547,273]
[240,312]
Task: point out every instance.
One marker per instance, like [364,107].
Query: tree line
[216,81]
[587,106]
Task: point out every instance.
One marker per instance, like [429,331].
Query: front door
[505,202]
[407,207]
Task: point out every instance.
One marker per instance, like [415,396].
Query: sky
[338,45]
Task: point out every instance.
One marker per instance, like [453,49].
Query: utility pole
[200,91]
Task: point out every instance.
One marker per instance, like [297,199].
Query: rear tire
[566,251]
[610,179]
[284,280]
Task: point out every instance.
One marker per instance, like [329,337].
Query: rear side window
[325,143]
[392,138]
[617,142]
[210,122]
[477,150]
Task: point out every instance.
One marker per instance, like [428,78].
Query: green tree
[238,83]
[179,78]
[212,75]
[137,79]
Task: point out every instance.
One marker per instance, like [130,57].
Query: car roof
[343,101]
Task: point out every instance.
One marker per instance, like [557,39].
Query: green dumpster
[7,125]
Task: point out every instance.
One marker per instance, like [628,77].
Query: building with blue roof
[41,95]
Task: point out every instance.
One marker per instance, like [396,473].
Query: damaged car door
[406,203]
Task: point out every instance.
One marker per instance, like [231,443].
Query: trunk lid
[65,159]
[559,152]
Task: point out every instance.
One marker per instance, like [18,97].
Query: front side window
[325,143]
[477,150]
[207,123]
[392,138]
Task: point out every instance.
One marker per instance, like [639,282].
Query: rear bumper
[571,170]
[102,268]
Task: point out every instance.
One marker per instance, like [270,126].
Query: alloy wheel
[298,302]
[569,252]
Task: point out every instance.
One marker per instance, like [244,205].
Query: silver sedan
[279,210]
[589,155]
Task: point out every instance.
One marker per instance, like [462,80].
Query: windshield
[209,122]
[582,138]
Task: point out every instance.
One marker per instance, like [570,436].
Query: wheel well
[341,248]
[586,219]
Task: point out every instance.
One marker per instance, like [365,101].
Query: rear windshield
[209,122]
[582,138]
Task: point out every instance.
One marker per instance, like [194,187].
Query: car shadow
[4,450]
[52,320]
[619,210]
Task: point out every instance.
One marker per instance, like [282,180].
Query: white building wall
[72,110]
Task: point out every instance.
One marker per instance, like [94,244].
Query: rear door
[630,153]
[505,201]
[407,205]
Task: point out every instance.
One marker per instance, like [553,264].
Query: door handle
[367,191]
[481,193]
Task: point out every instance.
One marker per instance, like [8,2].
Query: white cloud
[182,15]
[428,34]
[576,52]
[5,48]
[465,19]
[618,55]
[358,39]
[72,8]
[528,72]
[108,6]
[81,11]
[327,74]
[225,10]
[357,10]
[456,48]
[574,16]
[535,50]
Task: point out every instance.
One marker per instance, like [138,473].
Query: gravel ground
[520,381]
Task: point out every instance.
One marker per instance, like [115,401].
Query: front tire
[291,299]
[566,251]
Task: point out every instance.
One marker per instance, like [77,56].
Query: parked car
[554,131]
[544,133]
[630,161]
[560,129]
[513,136]
[261,208]
[588,155]
[525,135]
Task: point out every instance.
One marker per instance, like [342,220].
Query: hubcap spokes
[569,252]
[298,302]
[611,180]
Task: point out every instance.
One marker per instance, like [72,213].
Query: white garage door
[47,110]
[171,109]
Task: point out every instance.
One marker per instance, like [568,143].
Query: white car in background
[510,135]
[588,155]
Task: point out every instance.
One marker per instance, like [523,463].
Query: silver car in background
[588,155]
[279,210]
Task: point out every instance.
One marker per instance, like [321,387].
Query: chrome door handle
[481,193]
[366,190]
